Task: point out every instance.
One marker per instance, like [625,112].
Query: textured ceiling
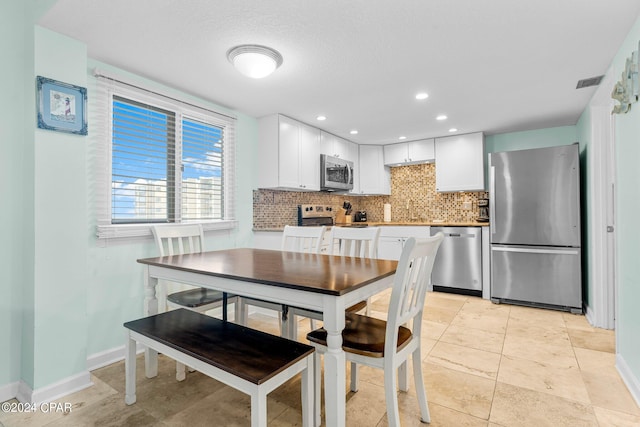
[489,65]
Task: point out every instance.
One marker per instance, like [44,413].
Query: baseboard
[9,391]
[108,357]
[632,382]
[589,315]
[54,391]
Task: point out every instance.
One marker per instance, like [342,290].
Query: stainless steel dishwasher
[458,264]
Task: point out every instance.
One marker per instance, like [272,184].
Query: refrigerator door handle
[492,197]
[536,251]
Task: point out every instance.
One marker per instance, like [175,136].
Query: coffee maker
[483,210]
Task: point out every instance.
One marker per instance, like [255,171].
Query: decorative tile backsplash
[413,198]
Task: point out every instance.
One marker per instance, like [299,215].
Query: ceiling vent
[592,81]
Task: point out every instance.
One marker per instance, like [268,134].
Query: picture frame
[61,106]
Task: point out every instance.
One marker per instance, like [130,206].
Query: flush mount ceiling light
[321,118]
[254,61]
[354,132]
[422,95]
[441,117]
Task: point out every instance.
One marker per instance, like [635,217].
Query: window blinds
[168,160]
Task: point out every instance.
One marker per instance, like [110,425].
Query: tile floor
[484,365]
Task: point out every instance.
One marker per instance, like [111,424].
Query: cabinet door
[327,142]
[460,163]
[309,158]
[390,247]
[289,153]
[374,175]
[421,151]
[396,154]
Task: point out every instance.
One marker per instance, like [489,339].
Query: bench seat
[248,360]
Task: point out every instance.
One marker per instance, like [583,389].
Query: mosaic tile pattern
[413,199]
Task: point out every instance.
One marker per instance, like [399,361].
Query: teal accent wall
[16,182]
[539,138]
[627,140]
[68,293]
[60,221]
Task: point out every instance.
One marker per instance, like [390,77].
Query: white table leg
[334,364]
[150,308]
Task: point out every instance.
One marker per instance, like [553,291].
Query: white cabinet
[407,153]
[288,154]
[375,177]
[460,163]
[338,147]
[392,239]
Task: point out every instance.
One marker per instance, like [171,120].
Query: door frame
[601,311]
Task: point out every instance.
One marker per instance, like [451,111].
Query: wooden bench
[248,360]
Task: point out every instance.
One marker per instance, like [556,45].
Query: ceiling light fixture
[441,117]
[321,118]
[402,137]
[254,61]
[453,130]
[422,95]
[354,132]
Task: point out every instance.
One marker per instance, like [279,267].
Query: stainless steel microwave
[336,174]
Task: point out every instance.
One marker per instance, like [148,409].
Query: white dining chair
[361,242]
[388,344]
[179,239]
[302,239]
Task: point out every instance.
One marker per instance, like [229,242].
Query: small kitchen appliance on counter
[315,215]
[360,216]
[483,209]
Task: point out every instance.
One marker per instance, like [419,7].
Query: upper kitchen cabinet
[460,163]
[408,153]
[289,154]
[375,177]
[338,147]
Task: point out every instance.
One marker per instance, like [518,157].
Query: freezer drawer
[537,275]
[458,264]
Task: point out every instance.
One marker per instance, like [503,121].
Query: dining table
[324,283]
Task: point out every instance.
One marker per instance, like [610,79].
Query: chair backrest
[359,242]
[410,287]
[178,239]
[302,239]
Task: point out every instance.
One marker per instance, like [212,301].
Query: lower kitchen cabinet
[392,239]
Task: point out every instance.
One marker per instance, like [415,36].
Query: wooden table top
[325,274]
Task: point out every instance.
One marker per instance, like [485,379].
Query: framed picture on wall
[61,106]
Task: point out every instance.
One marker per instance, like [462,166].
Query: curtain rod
[106,75]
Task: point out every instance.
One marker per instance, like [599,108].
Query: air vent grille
[592,81]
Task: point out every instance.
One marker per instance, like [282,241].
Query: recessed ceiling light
[402,137]
[441,117]
[321,118]
[254,61]
[422,95]
[354,132]
[453,130]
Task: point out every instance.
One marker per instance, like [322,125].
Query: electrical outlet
[466,206]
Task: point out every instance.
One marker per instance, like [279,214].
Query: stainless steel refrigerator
[535,227]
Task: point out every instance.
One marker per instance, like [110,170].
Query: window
[168,161]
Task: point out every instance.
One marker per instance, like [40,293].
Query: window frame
[108,87]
